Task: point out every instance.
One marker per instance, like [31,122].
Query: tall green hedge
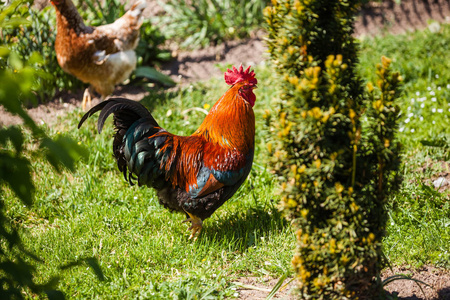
[335,149]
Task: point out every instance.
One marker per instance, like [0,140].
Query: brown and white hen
[102,56]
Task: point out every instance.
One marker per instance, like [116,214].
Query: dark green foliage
[102,12]
[204,22]
[148,51]
[335,149]
[37,35]
[17,265]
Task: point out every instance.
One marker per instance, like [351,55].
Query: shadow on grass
[443,294]
[242,229]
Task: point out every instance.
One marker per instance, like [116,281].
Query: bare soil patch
[438,281]
[440,175]
[64,102]
[437,285]
[255,288]
[390,17]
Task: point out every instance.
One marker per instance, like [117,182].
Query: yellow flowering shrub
[334,148]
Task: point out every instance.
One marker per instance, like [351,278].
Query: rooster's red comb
[234,76]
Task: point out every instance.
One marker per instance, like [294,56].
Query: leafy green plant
[204,22]
[335,150]
[102,12]
[17,264]
[148,50]
[36,35]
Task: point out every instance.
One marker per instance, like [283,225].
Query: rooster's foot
[196,226]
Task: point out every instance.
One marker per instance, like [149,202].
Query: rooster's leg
[86,99]
[196,226]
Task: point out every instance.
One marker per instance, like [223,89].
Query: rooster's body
[102,56]
[192,174]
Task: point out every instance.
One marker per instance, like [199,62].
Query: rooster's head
[245,80]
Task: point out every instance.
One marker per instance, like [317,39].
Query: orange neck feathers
[231,121]
[67,17]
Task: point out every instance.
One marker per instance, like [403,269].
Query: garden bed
[192,66]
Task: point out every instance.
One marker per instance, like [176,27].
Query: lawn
[143,249]
[419,218]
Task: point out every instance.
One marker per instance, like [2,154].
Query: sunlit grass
[144,250]
[418,229]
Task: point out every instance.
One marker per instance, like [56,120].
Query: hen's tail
[135,13]
[128,116]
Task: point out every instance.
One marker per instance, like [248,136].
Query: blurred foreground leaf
[154,75]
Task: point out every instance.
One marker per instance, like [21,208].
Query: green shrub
[101,12]
[335,149]
[204,22]
[148,51]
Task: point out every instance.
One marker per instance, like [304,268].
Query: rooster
[102,56]
[193,174]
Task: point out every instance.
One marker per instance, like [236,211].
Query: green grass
[144,250]
[418,230]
